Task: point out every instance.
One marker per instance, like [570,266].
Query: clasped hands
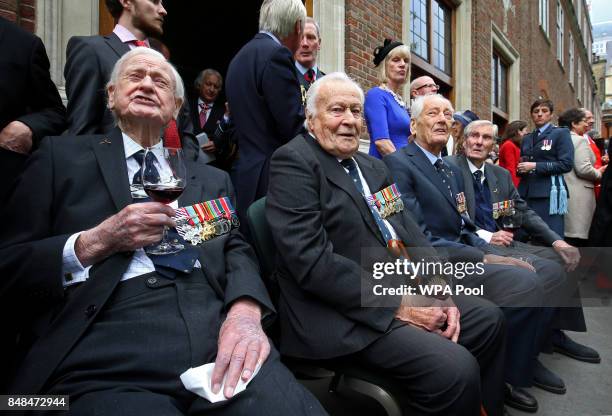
[16,137]
[431,316]
[525,167]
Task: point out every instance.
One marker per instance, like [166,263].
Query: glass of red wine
[163,178]
[512,222]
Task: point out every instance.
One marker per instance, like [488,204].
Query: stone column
[329,14]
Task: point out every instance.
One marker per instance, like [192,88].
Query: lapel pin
[105,141]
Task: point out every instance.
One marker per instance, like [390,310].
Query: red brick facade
[22,12]
[368,22]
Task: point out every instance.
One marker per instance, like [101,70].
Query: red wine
[162,193]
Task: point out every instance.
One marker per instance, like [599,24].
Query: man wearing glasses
[423,86]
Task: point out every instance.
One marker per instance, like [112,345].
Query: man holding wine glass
[497,208]
[107,323]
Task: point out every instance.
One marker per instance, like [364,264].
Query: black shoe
[547,380]
[520,399]
[567,346]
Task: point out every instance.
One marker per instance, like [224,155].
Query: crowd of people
[90,313]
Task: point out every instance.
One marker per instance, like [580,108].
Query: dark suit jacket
[216,115]
[502,189]
[320,224]
[78,184]
[600,234]
[264,97]
[222,133]
[556,161]
[89,63]
[435,210]
[27,94]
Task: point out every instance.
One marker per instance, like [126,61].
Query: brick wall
[22,12]
[541,73]
[367,24]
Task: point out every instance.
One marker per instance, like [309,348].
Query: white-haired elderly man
[441,359]
[264,96]
[113,327]
[434,191]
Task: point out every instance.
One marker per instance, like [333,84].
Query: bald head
[424,85]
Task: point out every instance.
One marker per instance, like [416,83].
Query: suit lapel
[544,134]
[116,45]
[429,171]
[492,183]
[193,192]
[336,174]
[110,155]
[469,185]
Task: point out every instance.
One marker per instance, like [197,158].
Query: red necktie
[309,76]
[140,43]
[204,107]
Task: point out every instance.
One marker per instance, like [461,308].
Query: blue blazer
[430,203]
[556,161]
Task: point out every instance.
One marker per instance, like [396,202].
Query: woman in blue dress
[386,113]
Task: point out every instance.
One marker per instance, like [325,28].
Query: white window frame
[578,82]
[543,15]
[560,34]
[571,58]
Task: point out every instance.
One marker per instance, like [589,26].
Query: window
[579,82]
[571,59]
[559,32]
[499,81]
[544,15]
[431,41]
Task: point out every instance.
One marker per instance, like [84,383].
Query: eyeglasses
[432,86]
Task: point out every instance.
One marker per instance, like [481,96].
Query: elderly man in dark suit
[493,202]
[433,191]
[264,96]
[112,326]
[31,107]
[90,59]
[445,359]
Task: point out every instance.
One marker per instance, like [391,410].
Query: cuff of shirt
[72,270]
[485,235]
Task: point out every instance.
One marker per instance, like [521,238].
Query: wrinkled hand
[16,137]
[432,318]
[209,147]
[525,167]
[384,146]
[242,346]
[569,254]
[507,261]
[502,238]
[134,227]
[602,170]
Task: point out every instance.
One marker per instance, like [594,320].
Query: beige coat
[581,203]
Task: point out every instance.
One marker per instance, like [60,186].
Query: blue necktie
[443,172]
[484,209]
[354,174]
[168,265]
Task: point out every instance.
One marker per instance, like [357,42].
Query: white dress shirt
[72,269]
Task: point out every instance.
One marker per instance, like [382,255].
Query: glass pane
[503,87]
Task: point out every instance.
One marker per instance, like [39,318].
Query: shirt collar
[432,158]
[303,69]
[274,38]
[201,102]
[125,35]
[473,167]
[544,127]
[131,147]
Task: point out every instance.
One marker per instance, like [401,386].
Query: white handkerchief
[197,380]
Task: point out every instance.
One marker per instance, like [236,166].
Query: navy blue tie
[354,174]
[484,209]
[167,265]
[442,170]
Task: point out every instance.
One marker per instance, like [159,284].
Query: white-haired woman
[386,113]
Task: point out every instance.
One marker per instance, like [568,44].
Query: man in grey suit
[433,191]
[446,358]
[494,203]
[90,59]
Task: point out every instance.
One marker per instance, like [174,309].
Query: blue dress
[386,119]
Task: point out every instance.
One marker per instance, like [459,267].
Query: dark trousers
[542,206]
[152,330]
[432,375]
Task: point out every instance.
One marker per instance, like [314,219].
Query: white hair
[179,88]
[480,123]
[419,102]
[312,96]
[279,16]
